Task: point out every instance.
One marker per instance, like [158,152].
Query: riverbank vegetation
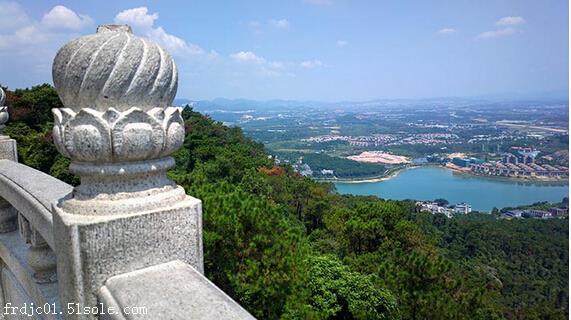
[342,168]
[287,247]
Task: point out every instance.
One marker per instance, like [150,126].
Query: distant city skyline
[321,50]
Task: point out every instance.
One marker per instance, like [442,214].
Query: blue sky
[327,50]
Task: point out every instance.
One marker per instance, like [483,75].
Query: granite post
[8,148]
[119,128]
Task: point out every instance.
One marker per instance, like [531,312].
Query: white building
[462,208]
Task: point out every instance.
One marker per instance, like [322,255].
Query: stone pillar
[8,215]
[119,128]
[7,146]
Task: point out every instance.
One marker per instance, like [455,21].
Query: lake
[429,183]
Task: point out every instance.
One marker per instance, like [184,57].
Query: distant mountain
[180,102]
[247,104]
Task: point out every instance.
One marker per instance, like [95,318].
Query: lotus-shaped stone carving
[113,136]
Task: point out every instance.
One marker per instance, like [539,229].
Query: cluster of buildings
[360,141]
[376,140]
[554,212]
[302,168]
[433,207]
[466,162]
[523,156]
[519,164]
[430,138]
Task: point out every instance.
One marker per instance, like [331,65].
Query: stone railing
[127,242]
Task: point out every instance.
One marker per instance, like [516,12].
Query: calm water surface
[429,183]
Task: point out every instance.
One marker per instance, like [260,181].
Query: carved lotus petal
[158,113]
[87,137]
[58,132]
[137,136]
[111,116]
[61,117]
[2,97]
[174,127]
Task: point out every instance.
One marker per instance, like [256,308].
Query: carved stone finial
[114,69]
[118,128]
[117,91]
[3,111]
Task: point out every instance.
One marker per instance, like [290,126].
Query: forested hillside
[287,247]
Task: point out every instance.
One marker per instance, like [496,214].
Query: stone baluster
[40,256]
[119,128]
[8,217]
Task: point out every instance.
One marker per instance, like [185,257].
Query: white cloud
[137,17]
[310,64]
[446,31]
[280,24]
[320,2]
[173,43]
[260,66]
[23,34]
[341,43]
[142,21]
[60,17]
[27,45]
[509,28]
[12,16]
[496,33]
[247,56]
[510,21]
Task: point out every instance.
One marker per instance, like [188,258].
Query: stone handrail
[173,290]
[32,193]
[142,295]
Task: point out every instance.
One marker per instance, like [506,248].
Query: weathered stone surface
[32,192]
[93,248]
[172,291]
[5,154]
[17,281]
[8,217]
[114,69]
[113,136]
[8,148]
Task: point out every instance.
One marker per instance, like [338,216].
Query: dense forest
[342,168]
[287,247]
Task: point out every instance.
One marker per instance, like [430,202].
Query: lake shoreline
[524,180]
[396,171]
[386,176]
[433,182]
